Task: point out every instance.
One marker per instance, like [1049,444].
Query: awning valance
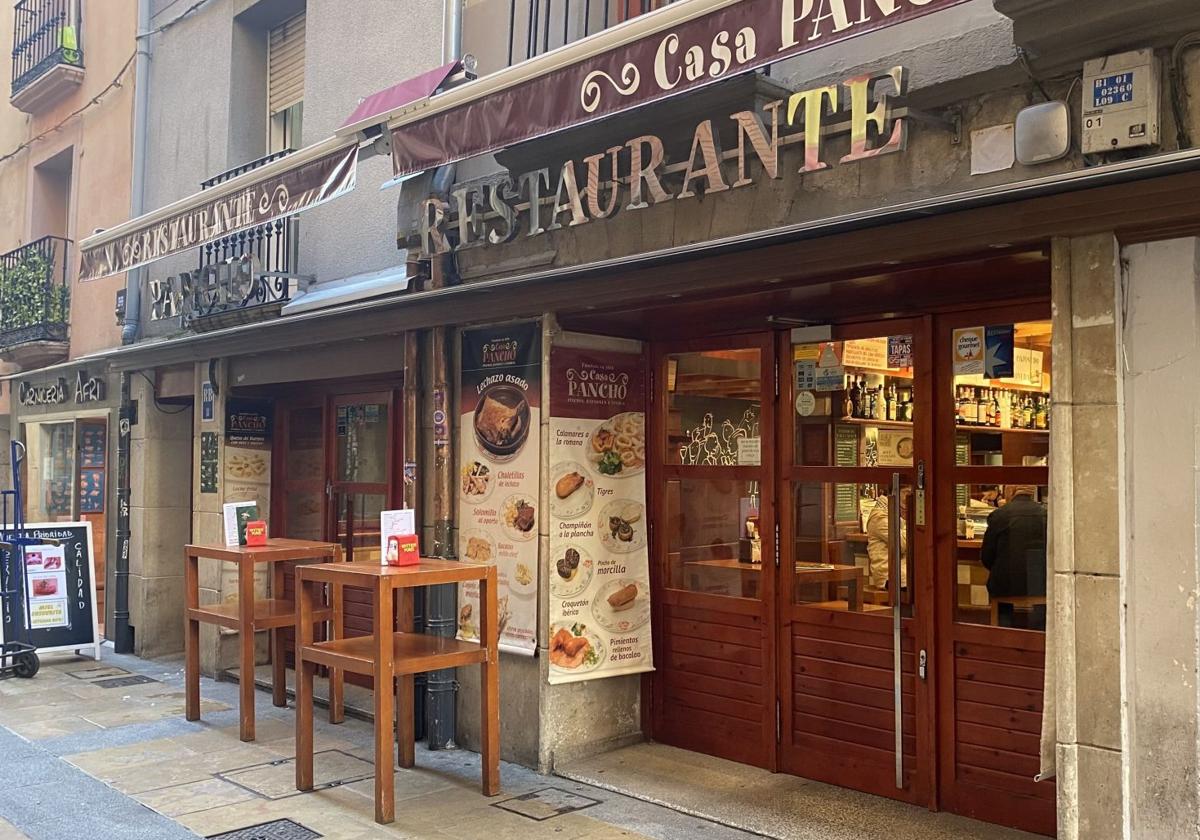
[281,188]
[672,50]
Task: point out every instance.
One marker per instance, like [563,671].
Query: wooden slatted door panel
[842,705]
[714,683]
[998,690]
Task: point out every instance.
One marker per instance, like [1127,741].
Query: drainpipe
[412,494]
[441,604]
[122,632]
[137,200]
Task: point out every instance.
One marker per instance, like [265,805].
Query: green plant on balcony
[28,295]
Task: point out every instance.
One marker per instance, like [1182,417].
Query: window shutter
[285,65]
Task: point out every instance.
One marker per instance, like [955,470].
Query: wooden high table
[248,615]
[387,655]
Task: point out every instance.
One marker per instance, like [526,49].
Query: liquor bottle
[981,408]
[1027,413]
[889,403]
[971,413]
[862,398]
[847,398]
[1006,410]
[987,406]
[1040,419]
[995,408]
[908,405]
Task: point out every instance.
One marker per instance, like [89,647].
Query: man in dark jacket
[1014,545]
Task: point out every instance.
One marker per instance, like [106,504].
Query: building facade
[868,268]
[66,172]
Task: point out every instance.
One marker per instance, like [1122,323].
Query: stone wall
[159,520]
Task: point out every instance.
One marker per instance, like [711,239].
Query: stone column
[218,581]
[159,520]
[1162,383]
[1086,536]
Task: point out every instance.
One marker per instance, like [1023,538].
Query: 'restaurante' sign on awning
[279,189]
[678,48]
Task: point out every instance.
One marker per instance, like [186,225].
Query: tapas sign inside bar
[678,56]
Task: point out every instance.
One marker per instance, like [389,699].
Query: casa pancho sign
[638,174]
[732,38]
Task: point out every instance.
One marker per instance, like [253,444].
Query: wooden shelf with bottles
[907,424]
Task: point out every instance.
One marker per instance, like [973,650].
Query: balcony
[35,303]
[538,26]
[47,56]
[271,253]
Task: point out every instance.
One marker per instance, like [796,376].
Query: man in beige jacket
[878,544]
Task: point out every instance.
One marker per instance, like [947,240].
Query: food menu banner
[500,395]
[599,557]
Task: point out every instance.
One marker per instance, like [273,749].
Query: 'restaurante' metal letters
[637,174]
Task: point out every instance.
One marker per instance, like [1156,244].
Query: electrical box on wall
[1121,99]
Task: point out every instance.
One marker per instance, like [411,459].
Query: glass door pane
[848,564]
[713,539]
[51,472]
[1001,555]
[362,443]
[357,523]
[714,403]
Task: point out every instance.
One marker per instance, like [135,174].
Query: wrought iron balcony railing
[273,245]
[35,296]
[46,33]
[538,26]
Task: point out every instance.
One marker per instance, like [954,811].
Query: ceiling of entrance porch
[902,292]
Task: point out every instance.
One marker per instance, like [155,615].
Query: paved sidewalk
[102,750]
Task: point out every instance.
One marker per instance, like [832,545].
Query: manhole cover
[122,682]
[274,830]
[546,803]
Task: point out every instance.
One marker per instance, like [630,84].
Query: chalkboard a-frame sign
[62,587]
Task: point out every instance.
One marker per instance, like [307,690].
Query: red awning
[391,102]
[667,52]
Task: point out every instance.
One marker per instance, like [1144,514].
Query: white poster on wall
[599,599]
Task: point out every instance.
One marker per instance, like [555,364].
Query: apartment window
[285,84]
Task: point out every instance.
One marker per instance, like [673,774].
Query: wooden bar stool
[390,657]
[248,615]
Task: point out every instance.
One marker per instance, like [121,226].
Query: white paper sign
[749,452]
[394,523]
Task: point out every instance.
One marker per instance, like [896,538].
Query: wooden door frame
[924,790]
[657,476]
[944,517]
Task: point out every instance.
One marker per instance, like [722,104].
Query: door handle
[922,663]
[896,552]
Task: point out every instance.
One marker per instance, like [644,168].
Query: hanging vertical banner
[500,395]
[599,557]
[998,351]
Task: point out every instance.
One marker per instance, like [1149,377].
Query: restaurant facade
[732,373]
